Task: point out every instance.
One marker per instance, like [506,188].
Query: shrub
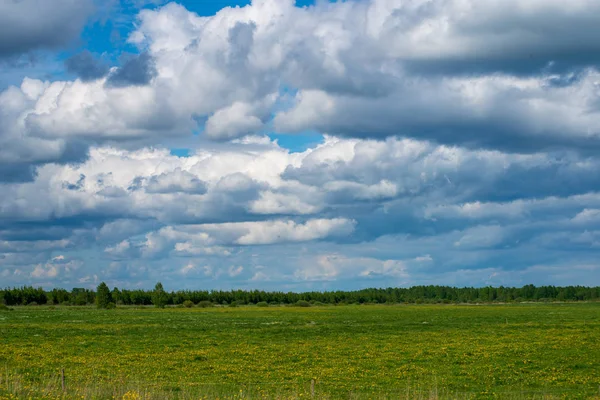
[65,303]
[33,303]
[188,304]
[262,304]
[302,303]
[111,306]
[4,308]
[80,302]
[205,304]
[233,304]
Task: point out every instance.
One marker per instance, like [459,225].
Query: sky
[296,146]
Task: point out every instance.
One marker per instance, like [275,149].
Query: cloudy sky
[299,146]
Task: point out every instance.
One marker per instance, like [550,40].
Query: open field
[419,351]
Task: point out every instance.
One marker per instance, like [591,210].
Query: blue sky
[299,146]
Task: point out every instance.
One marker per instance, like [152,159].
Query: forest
[28,295]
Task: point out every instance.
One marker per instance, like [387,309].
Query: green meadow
[543,351]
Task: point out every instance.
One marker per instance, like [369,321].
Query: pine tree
[102,296]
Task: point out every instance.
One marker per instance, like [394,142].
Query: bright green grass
[502,351]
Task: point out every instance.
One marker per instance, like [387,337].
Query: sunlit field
[325,352]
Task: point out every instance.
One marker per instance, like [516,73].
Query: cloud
[352,191]
[120,249]
[137,70]
[329,68]
[188,268]
[497,112]
[288,202]
[56,268]
[25,246]
[235,271]
[334,266]
[41,272]
[20,154]
[191,248]
[481,237]
[87,111]
[27,25]
[452,152]
[239,119]
[176,181]
[387,187]
[86,66]
[200,239]
[280,231]
[350,82]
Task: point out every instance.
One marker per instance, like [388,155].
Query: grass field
[419,351]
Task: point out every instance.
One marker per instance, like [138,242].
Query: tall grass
[49,385]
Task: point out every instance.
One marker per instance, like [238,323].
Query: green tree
[116,296]
[102,296]
[159,296]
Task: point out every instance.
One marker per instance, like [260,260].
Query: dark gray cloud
[86,66]
[24,232]
[470,37]
[136,70]
[19,159]
[495,112]
[16,172]
[27,25]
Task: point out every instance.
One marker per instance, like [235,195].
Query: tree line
[158,296]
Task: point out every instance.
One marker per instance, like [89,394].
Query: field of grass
[371,352]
